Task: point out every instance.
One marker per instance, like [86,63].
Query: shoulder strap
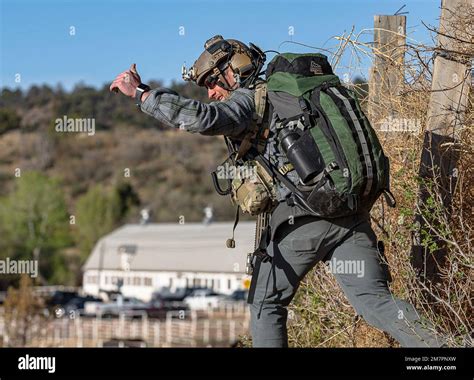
[257,120]
[260,102]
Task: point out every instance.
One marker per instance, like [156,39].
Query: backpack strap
[270,169]
[256,131]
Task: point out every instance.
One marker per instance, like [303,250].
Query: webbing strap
[363,141]
[257,120]
[230,243]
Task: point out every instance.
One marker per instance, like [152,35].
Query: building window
[171,282]
[91,279]
[229,283]
[137,281]
[148,281]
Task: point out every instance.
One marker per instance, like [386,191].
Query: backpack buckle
[352,202]
[290,201]
[303,105]
[307,112]
[285,168]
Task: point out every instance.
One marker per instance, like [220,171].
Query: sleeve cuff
[152,100]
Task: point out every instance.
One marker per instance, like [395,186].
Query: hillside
[168,169]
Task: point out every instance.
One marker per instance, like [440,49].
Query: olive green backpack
[327,138]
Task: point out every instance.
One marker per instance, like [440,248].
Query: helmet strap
[237,79]
[223,82]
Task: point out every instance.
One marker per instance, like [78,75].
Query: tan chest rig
[250,186]
[256,193]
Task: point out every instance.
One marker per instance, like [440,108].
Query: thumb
[133,68]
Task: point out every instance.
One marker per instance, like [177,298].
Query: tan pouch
[254,192]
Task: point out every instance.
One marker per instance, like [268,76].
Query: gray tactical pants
[349,246]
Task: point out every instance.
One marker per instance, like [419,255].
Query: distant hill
[169,169]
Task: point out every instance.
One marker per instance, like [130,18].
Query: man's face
[216,92]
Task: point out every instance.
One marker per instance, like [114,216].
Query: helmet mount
[245,61]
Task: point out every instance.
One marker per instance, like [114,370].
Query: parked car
[159,309]
[77,304]
[165,294]
[204,299]
[113,309]
[60,298]
[238,295]
[74,306]
[91,308]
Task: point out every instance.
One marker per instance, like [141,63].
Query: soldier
[296,239]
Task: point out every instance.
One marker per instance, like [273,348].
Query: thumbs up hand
[127,81]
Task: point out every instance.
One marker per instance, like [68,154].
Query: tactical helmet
[220,54]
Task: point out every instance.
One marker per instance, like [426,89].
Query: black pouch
[325,200]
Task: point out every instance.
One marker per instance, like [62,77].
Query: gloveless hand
[127,82]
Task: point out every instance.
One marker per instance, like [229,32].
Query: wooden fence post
[386,74]
[448,102]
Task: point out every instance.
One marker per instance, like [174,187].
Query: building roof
[193,247]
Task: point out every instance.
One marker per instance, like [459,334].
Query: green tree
[97,213]
[128,198]
[34,223]
[9,119]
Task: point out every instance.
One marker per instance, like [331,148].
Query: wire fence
[219,327]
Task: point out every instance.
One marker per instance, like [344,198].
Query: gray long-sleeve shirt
[231,117]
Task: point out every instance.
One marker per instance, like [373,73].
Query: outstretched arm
[230,117]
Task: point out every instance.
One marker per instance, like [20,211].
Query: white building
[148,257]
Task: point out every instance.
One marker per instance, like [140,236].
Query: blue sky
[36,39]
